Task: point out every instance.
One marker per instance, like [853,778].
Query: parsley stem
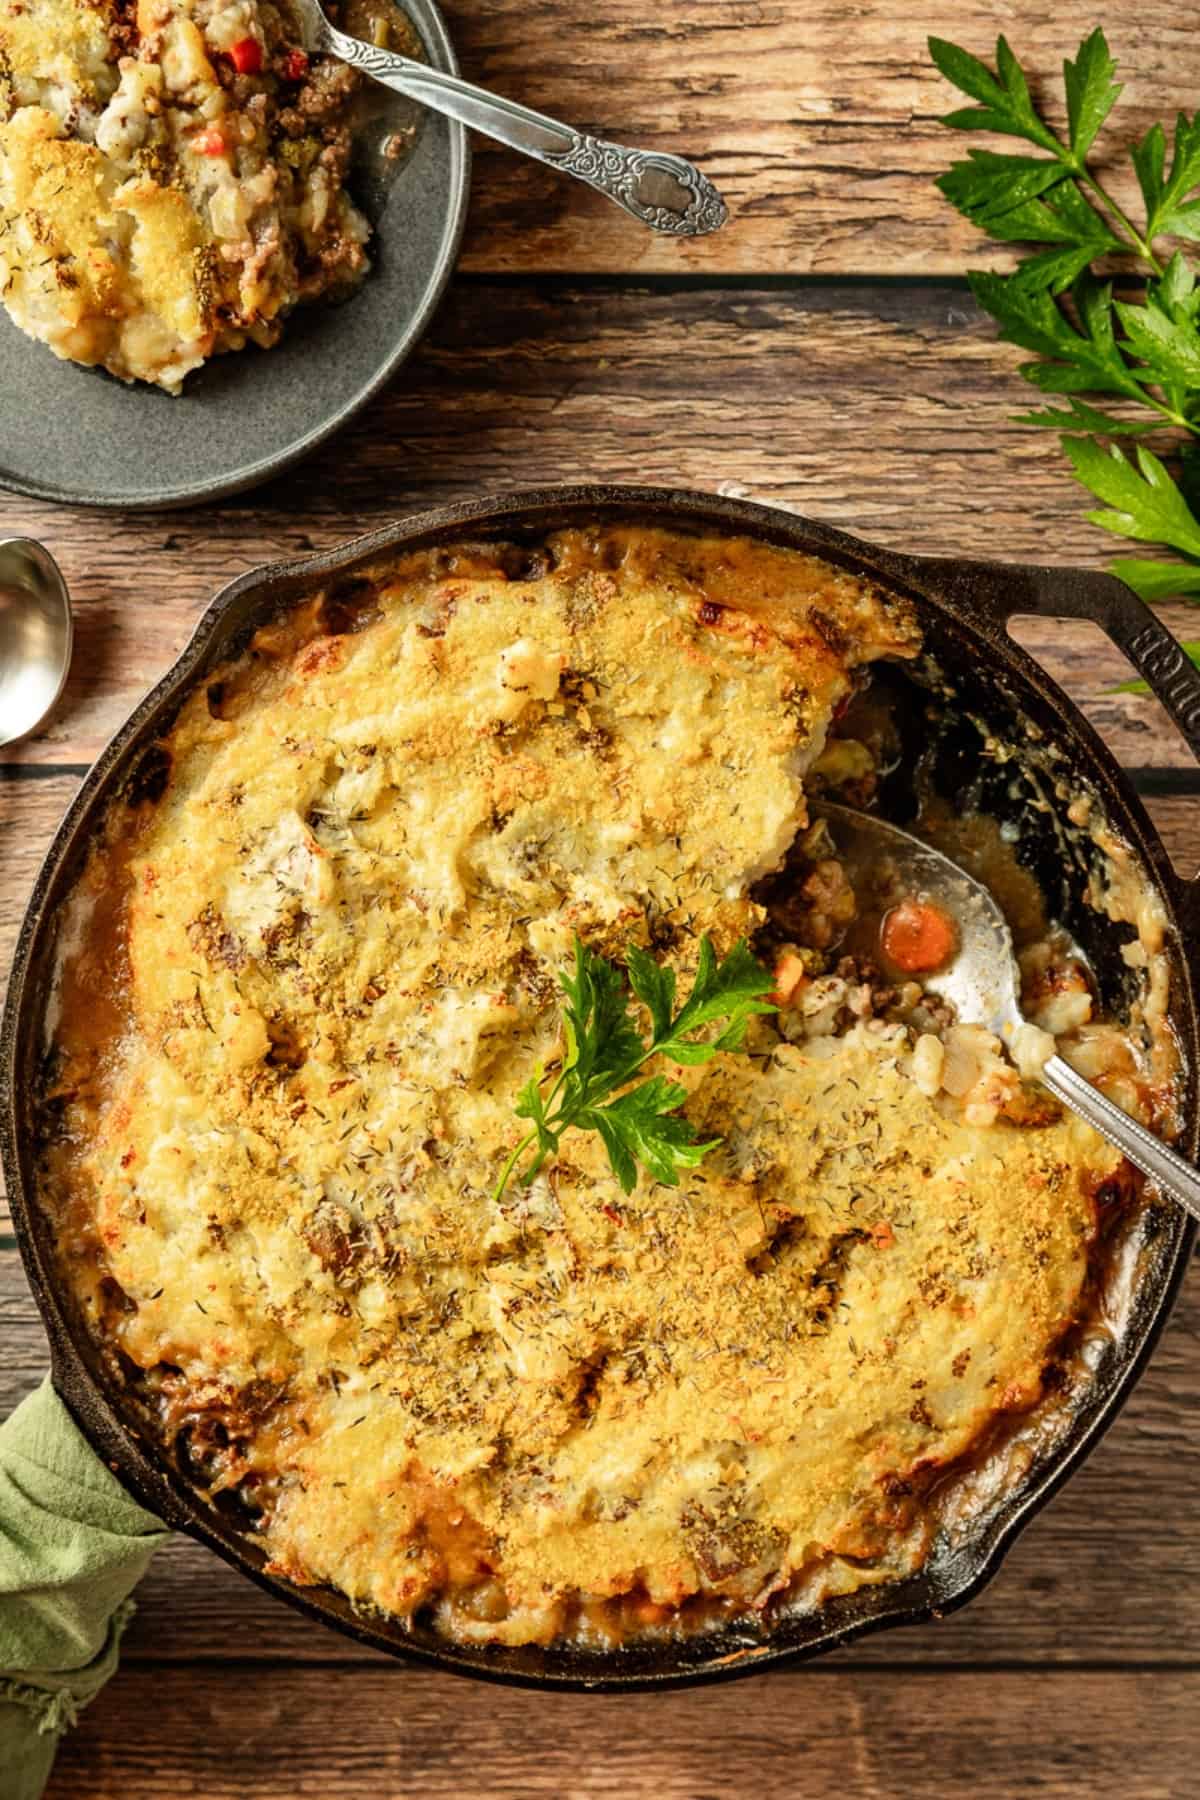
[548,1102]
[1133,236]
[531,1137]
[514,1157]
[1168,412]
[556,1127]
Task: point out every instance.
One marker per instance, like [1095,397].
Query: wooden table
[822,353]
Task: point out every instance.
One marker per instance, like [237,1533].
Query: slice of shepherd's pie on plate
[171,179]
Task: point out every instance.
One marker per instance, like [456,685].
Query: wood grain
[340,1734]
[885,411]
[1177,819]
[817,121]
[29,811]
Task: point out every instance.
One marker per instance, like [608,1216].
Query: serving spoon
[665,192]
[980,978]
[35,636]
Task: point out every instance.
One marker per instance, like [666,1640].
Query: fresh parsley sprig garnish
[604,1048]
[1139,357]
[1038,199]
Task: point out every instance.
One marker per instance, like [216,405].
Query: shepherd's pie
[308,966]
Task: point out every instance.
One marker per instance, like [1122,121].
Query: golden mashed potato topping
[170,179]
[304,975]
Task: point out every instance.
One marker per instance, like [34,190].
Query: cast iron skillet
[964,608]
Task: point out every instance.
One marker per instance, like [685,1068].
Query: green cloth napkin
[73,1545]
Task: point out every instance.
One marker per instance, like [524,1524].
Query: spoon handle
[665,192]
[1176,1178]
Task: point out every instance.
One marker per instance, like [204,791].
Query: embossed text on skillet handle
[665,192]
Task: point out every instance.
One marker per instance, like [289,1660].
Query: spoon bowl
[885,866]
[36,634]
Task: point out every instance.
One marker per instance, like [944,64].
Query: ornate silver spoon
[35,636]
[665,192]
[980,979]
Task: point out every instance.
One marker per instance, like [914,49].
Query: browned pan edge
[975,600]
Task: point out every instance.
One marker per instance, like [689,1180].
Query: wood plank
[1177,819]
[1084,661]
[255,1734]
[29,812]
[817,119]
[883,411]
[23,1354]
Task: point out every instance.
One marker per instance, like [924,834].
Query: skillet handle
[994,592]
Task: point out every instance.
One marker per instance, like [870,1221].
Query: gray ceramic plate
[80,436]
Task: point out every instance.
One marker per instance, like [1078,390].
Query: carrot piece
[790,975]
[917,937]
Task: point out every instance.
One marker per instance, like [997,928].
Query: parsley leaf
[529,1105]
[1091,91]
[1144,502]
[1156,581]
[1168,211]
[1076,359]
[1077,415]
[604,1050]
[644,1125]
[733,989]
[1005,106]
[1169,346]
[654,985]
[1064,220]
[990,188]
[1032,203]
[602,1039]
